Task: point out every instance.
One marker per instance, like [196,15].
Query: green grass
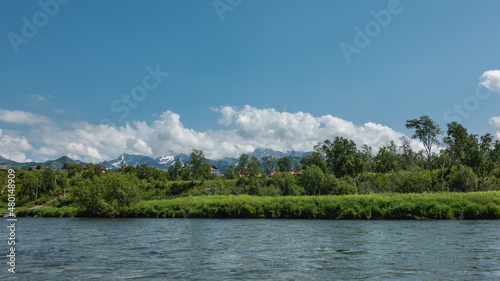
[51,212]
[474,205]
[479,205]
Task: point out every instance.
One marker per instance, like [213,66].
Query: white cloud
[22,117]
[491,80]
[17,144]
[247,128]
[227,114]
[495,121]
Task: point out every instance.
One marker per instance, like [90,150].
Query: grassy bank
[476,205]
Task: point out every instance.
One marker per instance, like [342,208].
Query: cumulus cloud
[227,114]
[22,117]
[245,130]
[301,131]
[491,80]
[17,144]
[495,121]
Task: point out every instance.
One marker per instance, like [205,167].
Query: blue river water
[252,249]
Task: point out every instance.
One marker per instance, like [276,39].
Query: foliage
[478,205]
[468,163]
[427,132]
[463,179]
[312,180]
[199,165]
[106,195]
[342,157]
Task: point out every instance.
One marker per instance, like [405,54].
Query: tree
[366,158]
[175,169]
[407,152]
[286,183]
[342,157]
[243,163]
[463,179]
[185,172]
[231,172]
[427,132]
[254,166]
[106,195]
[456,141]
[269,164]
[312,179]
[314,159]
[490,155]
[386,158]
[199,165]
[284,164]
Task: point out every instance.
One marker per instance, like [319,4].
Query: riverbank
[474,205]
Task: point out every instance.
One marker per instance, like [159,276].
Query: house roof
[33,168]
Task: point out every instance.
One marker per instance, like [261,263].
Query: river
[252,249]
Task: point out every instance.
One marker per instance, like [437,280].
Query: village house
[35,168]
[215,171]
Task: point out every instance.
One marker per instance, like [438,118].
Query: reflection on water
[208,249]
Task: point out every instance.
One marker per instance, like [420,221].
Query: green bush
[463,179]
[414,181]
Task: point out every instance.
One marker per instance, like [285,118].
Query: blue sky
[241,74]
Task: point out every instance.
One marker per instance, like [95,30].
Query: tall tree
[254,166]
[269,164]
[456,142]
[386,158]
[427,132]
[243,163]
[407,152]
[284,164]
[314,159]
[312,179]
[231,172]
[342,156]
[199,165]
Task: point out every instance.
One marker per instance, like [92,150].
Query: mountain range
[162,162]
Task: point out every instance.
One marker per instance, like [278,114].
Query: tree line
[461,162]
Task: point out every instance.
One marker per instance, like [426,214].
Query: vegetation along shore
[337,181]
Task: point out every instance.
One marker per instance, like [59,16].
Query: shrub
[414,181]
[462,179]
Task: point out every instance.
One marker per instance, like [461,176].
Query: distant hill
[162,162]
[53,164]
[14,164]
[58,163]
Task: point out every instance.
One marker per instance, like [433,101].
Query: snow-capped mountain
[263,152]
[164,162]
[161,163]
